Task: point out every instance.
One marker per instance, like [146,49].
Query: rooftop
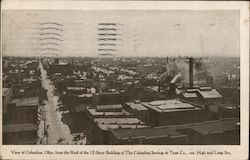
[189,95]
[136,106]
[192,90]
[30,101]
[76,88]
[118,121]
[19,127]
[202,128]
[109,93]
[215,126]
[213,93]
[120,126]
[169,105]
[94,113]
[105,107]
[87,95]
[145,132]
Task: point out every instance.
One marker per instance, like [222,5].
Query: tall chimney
[191,73]
[172,90]
[56,61]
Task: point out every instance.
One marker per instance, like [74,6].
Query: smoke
[183,69]
[176,77]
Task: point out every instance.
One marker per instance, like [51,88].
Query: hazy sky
[143,33]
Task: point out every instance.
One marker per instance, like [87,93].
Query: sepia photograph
[121,77]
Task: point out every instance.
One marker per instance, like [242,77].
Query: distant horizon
[213,56]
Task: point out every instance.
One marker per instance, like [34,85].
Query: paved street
[58,132]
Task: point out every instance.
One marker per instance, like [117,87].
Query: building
[147,136]
[209,95]
[138,110]
[94,113]
[202,95]
[173,112]
[219,132]
[21,121]
[109,108]
[102,118]
[222,131]
[23,133]
[190,96]
[110,98]
[7,94]
[99,128]
[23,110]
[107,111]
[148,68]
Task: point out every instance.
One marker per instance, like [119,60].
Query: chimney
[172,90]
[190,72]
[56,61]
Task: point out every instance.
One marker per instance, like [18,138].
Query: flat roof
[88,95]
[136,106]
[76,88]
[120,126]
[20,127]
[202,128]
[215,126]
[113,106]
[118,121]
[109,93]
[192,90]
[190,95]
[169,105]
[213,93]
[145,132]
[93,112]
[28,101]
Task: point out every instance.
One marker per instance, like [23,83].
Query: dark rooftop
[202,128]
[19,127]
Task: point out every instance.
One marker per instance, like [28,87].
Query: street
[57,131]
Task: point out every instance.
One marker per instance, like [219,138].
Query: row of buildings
[160,110]
[21,98]
[160,122]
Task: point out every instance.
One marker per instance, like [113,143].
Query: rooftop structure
[118,121]
[189,95]
[96,114]
[107,108]
[169,106]
[136,106]
[112,123]
[208,92]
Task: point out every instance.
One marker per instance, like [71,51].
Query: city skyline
[145,33]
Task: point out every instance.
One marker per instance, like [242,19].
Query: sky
[142,33]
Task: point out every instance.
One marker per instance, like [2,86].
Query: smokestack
[191,73]
[172,90]
[56,61]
